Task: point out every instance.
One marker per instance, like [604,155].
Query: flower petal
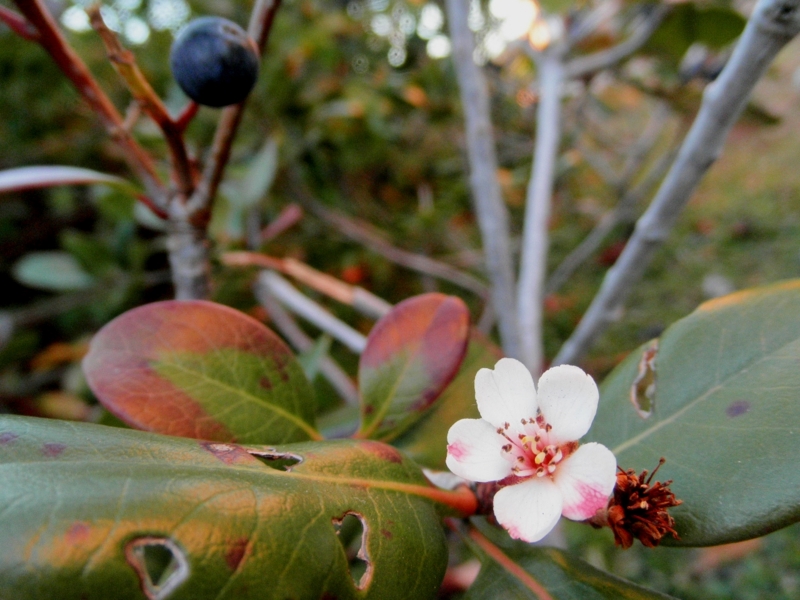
[474,451]
[528,510]
[586,479]
[568,400]
[505,394]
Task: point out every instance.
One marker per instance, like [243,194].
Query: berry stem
[261,20]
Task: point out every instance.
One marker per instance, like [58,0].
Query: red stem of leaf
[18,24]
[502,559]
[157,211]
[186,115]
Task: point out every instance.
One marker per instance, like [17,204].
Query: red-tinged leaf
[25,178]
[101,513]
[411,355]
[201,370]
[426,442]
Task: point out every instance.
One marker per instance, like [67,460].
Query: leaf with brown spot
[201,370]
[723,411]
[411,355]
[117,507]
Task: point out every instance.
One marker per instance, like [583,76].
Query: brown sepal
[638,509]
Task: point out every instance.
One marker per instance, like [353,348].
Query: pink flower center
[529,449]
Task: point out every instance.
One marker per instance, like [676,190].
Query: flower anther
[527,443]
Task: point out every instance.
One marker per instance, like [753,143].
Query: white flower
[528,442]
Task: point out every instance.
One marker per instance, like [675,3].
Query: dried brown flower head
[638,509]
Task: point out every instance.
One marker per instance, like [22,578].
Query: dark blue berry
[214,61]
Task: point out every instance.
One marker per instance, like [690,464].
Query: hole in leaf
[643,389]
[351,529]
[280,461]
[160,564]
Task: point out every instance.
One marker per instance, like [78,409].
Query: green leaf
[53,271]
[723,411]
[310,359]
[516,571]
[426,441]
[92,254]
[411,355]
[714,26]
[260,175]
[92,512]
[202,370]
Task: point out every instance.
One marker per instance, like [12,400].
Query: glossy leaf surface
[201,370]
[558,573]
[426,441]
[91,512]
[724,412]
[411,355]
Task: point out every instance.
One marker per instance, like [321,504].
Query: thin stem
[489,207]
[773,24]
[604,59]
[502,559]
[622,213]
[261,20]
[302,305]
[357,297]
[50,38]
[17,23]
[124,62]
[371,237]
[533,263]
[186,115]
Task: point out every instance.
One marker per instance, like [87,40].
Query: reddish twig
[289,216]
[50,38]
[352,295]
[18,24]
[261,20]
[502,559]
[186,115]
[157,210]
[124,62]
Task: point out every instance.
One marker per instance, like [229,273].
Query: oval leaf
[25,178]
[53,271]
[518,571]
[411,355]
[93,512]
[201,370]
[426,441]
[721,406]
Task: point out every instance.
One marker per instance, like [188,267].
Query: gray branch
[604,59]
[489,208]
[302,305]
[371,238]
[533,262]
[773,24]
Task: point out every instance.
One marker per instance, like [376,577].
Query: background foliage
[338,116]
